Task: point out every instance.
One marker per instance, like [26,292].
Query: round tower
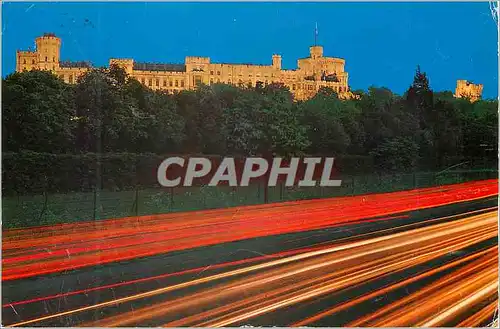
[277,61]
[48,49]
[316,52]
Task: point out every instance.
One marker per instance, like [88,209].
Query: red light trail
[235,292]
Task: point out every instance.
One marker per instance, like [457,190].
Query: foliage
[396,154]
[37,113]
[108,112]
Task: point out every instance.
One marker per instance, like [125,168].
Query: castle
[313,72]
[466,89]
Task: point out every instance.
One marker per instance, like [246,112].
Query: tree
[447,131]
[420,98]
[106,113]
[157,126]
[480,130]
[396,154]
[37,113]
[323,116]
[204,122]
[376,117]
[244,134]
[327,91]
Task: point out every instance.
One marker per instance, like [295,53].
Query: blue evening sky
[381,42]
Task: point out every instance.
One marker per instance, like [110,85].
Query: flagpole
[316,35]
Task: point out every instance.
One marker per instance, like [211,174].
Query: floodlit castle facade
[312,72]
[466,89]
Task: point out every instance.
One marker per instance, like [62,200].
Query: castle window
[182,83]
[53,68]
[229,81]
[218,80]
[211,72]
[218,72]
[150,82]
[211,81]
[177,83]
[293,87]
[53,59]
[46,59]
[170,83]
[71,79]
[157,83]
[164,83]
[33,62]
[24,62]
[143,81]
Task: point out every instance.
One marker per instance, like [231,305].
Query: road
[426,257]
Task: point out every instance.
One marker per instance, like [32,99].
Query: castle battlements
[467,89]
[312,72]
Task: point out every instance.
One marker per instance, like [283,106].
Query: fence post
[281,191]
[95,203]
[171,198]
[204,197]
[136,201]
[45,201]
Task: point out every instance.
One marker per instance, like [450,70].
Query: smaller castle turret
[277,62]
[467,89]
[316,52]
[48,49]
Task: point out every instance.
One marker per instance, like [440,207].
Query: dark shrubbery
[52,132]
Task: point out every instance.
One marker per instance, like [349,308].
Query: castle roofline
[165,67]
[338,58]
[80,64]
[243,64]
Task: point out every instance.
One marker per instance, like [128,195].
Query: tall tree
[37,113]
[420,98]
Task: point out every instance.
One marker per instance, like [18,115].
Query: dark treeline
[109,112]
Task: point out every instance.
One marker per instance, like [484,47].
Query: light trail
[245,289]
[493,251]
[480,317]
[427,301]
[111,242]
[438,239]
[228,264]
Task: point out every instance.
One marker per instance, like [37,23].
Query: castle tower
[316,52]
[48,50]
[467,89]
[277,62]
